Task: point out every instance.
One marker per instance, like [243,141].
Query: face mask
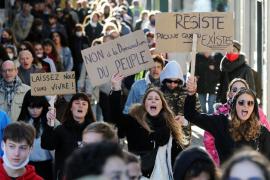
[152,22]
[39,55]
[79,34]
[39,28]
[11,56]
[9,165]
[232,56]
[93,24]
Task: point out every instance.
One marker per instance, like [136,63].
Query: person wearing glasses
[173,88]
[235,85]
[246,164]
[12,90]
[241,127]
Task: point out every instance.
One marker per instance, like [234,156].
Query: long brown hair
[167,114]
[249,129]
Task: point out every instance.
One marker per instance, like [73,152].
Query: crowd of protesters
[133,128]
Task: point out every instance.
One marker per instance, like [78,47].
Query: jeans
[210,102]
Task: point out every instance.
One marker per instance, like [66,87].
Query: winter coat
[16,104]
[29,174]
[93,32]
[139,139]
[230,70]
[209,140]
[218,126]
[208,72]
[64,139]
[176,97]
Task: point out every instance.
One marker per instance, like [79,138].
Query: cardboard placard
[43,84]
[214,30]
[128,55]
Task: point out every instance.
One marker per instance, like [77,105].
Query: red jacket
[30,173]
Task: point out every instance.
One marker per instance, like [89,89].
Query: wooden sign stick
[193,55]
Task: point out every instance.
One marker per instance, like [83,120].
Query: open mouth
[153,108]
[79,111]
[244,113]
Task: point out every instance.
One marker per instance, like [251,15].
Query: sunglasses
[172,81]
[244,102]
[250,178]
[235,89]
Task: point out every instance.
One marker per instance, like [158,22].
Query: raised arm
[209,123]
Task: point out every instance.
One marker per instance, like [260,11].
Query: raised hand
[191,85]
[116,81]
[51,116]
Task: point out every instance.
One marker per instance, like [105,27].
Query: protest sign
[174,31]
[127,55]
[43,84]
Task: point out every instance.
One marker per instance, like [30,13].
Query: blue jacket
[4,121]
[137,92]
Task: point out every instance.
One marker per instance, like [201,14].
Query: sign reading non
[174,31]
[43,84]
[128,55]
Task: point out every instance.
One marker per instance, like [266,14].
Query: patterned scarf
[10,88]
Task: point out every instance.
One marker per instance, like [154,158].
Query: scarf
[154,82]
[10,88]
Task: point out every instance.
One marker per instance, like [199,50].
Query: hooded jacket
[176,97]
[231,70]
[185,160]
[30,173]
[172,70]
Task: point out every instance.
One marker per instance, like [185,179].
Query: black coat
[218,126]
[93,33]
[139,139]
[64,139]
[231,70]
[208,72]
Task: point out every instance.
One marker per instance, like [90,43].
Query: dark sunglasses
[172,81]
[243,102]
[250,178]
[235,89]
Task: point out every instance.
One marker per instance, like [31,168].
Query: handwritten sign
[128,55]
[174,31]
[43,84]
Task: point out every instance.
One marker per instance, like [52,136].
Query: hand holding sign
[117,81]
[51,116]
[191,85]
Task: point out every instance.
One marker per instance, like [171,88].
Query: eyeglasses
[173,81]
[235,89]
[7,70]
[250,178]
[244,102]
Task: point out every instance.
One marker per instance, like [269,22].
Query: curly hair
[248,129]
[167,114]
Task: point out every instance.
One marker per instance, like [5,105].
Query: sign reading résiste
[174,31]
[43,84]
[127,55]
